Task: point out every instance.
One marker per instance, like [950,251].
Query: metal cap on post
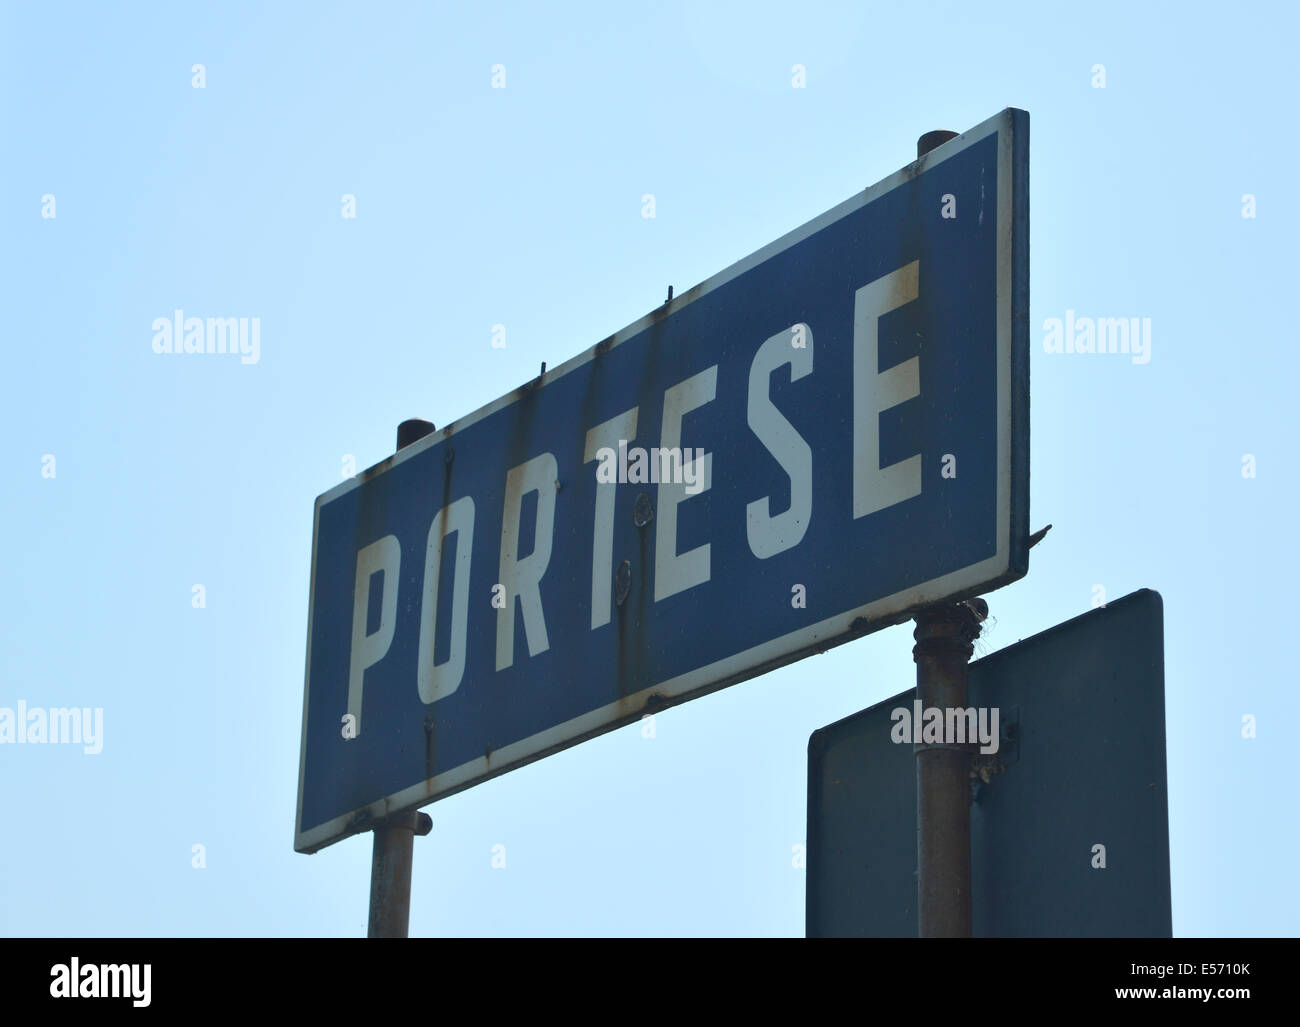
[394,849]
[930,140]
[413,430]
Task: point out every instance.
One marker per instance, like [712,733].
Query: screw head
[622,582]
[642,512]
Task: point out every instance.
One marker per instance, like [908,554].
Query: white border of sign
[778,651]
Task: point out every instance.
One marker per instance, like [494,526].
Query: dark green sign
[1069,818]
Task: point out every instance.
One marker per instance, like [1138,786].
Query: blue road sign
[797,451]
[1069,818]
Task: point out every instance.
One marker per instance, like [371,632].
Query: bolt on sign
[799,450]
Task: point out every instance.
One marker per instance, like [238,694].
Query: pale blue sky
[522,206]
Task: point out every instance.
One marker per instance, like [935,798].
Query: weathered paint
[968,332]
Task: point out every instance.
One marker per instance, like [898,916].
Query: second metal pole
[394,849]
[944,643]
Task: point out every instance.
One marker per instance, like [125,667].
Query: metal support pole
[945,638]
[944,645]
[390,873]
[390,861]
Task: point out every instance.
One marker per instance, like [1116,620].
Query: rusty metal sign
[801,449]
